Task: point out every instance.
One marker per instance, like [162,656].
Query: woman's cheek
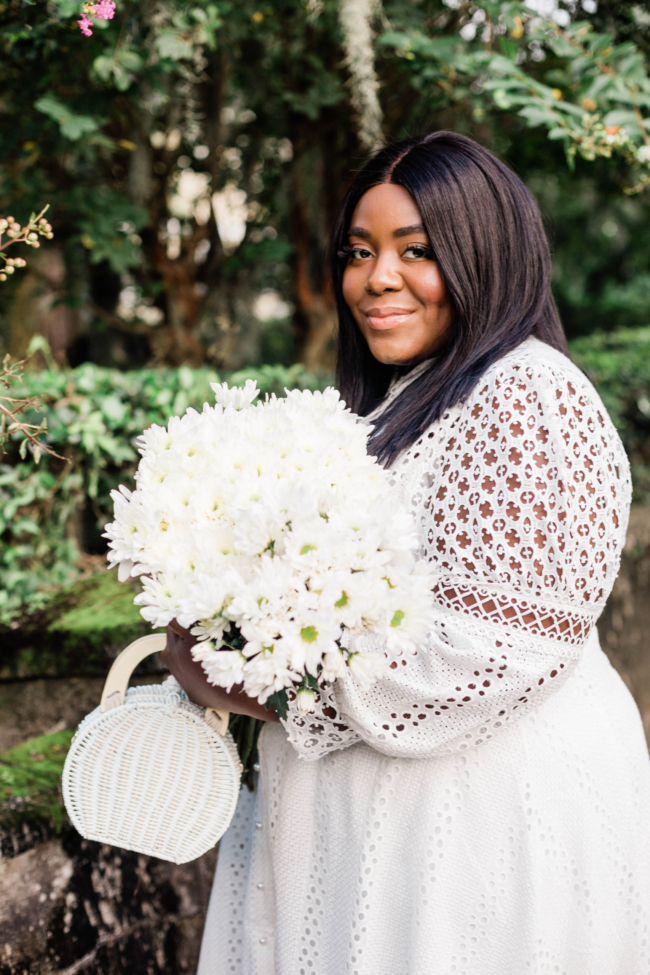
[350,288]
[431,288]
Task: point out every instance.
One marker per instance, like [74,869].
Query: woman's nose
[384,275]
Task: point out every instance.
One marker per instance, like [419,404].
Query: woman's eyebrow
[359,232]
[415,228]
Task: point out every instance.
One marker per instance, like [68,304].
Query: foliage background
[193,153]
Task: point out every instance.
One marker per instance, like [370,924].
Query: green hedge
[51,514]
[618,364]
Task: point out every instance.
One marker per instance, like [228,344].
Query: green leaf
[503,99]
[67,8]
[621,116]
[280,704]
[72,126]
[599,86]
[76,126]
[509,47]
[170,44]
[563,48]
[538,115]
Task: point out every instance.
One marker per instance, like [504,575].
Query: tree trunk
[315,313]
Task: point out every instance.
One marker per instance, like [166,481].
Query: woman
[485,809]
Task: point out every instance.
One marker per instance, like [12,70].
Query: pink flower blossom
[105,9]
[85,24]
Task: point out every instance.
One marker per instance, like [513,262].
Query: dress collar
[397,384]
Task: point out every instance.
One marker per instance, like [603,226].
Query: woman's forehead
[385,209]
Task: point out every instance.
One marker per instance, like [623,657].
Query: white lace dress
[485,810]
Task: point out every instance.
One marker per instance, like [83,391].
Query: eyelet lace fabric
[477,809]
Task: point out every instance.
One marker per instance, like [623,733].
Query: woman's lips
[382,319]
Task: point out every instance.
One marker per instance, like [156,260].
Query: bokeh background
[192,155]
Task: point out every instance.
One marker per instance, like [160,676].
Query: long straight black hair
[487,237]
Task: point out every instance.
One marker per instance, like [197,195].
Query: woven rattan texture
[152,776]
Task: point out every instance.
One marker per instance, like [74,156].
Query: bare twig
[10,409]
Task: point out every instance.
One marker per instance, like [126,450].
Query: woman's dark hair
[487,237]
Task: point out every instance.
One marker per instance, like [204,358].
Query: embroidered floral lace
[521,497]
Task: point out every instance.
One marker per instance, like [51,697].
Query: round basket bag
[148,770]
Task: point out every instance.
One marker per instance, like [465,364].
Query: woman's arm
[521,501]
[190,675]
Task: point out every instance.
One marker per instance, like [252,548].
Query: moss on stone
[30,791]
[79,632]
[106,605]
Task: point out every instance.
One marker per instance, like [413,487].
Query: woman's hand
[190,675]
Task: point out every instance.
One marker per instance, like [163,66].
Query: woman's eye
[417,250]
[358,253]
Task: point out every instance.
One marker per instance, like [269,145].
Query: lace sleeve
[521,497]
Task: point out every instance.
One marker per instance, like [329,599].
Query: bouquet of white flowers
[269,532]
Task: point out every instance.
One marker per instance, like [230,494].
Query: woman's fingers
[189,673]
[181,631]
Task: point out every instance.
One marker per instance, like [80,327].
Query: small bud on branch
[10,409]
[29,234]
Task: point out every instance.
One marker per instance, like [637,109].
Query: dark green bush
[618,364]
[52,513]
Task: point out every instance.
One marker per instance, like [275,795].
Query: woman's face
[391,283]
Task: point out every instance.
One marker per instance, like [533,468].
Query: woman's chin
[396,356]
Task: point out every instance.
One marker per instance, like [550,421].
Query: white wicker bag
[150,771]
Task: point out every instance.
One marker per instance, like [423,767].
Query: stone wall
[68,906]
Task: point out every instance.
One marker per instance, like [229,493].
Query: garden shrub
[52,513]
[618,364]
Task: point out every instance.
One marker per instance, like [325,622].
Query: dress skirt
[526,855]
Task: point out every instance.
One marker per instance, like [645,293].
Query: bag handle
[119,675]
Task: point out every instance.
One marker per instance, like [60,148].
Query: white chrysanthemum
[354,599]
[410,614]
[333,666]
[306,700]
[207,597]
[268,593]
[224,668]
[266,674]
[235,397]
[308,639]
[134,524]
[155,440]
[160,598]
[272,518]
[367,667]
